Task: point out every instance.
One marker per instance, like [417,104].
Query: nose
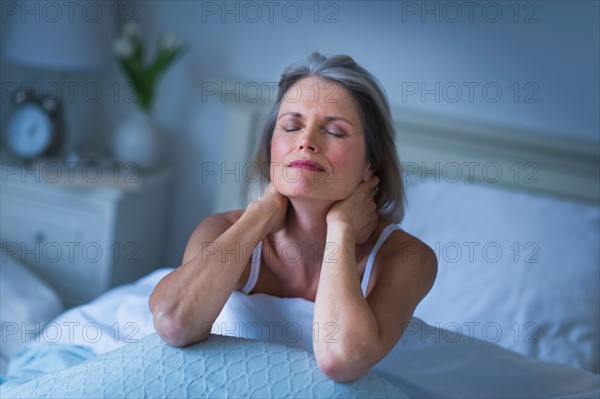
[308,140]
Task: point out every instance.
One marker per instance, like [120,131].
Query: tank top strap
[369,268]
[254,269]
[257,253]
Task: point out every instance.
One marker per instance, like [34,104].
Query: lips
[306,165]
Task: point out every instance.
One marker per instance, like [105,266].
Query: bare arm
[366,328]
[187,301]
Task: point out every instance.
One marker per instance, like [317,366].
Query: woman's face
[318,149]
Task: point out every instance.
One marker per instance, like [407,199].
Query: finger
[373,182]
[368,185]
[272,190]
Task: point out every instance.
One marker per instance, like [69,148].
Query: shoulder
[403,258]
[208,230]
[404,247]
[219,222]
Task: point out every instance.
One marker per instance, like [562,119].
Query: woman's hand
[358,211]
[274,206]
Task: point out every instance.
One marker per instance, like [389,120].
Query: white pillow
[517,269]
[26,305]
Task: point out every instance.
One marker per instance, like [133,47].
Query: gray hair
[376,120]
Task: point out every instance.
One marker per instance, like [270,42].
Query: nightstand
[84,227]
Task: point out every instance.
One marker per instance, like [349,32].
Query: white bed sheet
[118,317]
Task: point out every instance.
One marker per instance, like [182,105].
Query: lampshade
[67,39]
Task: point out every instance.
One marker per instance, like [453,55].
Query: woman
[334,194]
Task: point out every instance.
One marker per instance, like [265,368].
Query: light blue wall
[558,54]
[550,49]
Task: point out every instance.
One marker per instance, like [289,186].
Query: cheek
[279,145]
[279,154]
[354,161]
[350,168]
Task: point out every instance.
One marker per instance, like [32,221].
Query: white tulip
[169,41]
[122,48]
[131,29]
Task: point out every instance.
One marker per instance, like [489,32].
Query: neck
[306,227]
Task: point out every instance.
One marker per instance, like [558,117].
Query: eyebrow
[327,118]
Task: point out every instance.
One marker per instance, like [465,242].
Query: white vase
[137,139]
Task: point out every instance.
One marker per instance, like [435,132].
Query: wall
[441,57]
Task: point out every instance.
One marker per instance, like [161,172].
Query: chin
[312,191]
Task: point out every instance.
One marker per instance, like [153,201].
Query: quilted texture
[220,367]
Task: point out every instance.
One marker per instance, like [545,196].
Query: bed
[514,221]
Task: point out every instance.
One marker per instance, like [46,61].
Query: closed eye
[335,134]
[291,126]
[334,130]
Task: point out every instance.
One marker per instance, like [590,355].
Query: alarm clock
[35,129]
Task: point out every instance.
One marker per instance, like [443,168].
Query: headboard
[445,149]
[243,120]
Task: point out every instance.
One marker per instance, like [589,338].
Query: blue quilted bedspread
[220,367]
